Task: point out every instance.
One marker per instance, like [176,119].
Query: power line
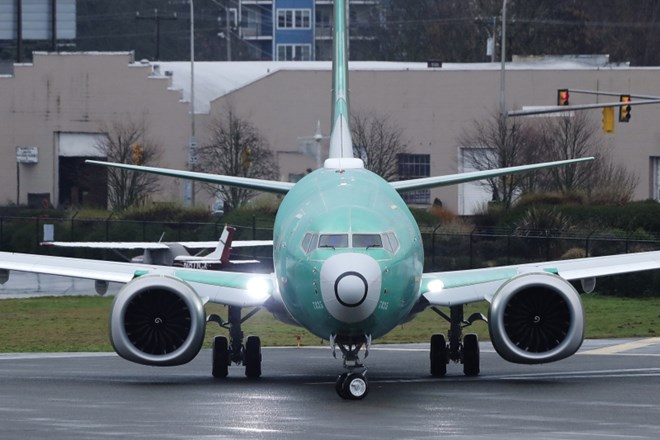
[156,19]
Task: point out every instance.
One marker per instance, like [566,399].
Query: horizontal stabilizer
[241,182]
[453,179]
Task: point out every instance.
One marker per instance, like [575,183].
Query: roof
[214,79]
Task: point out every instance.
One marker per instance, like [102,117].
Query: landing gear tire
[353,386]
[252,359]
[340,383]
[438,355]
[471,355]
[220,357]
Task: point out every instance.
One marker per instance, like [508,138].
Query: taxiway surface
[608,390]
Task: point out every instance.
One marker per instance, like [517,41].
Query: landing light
[435,286]
[258,288]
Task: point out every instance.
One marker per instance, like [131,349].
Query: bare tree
[613,183]
[127,142]
[379,142]
[569,137]
[576,136]
[498,142]
[236,148]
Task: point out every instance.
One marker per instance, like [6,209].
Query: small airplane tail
[221,252]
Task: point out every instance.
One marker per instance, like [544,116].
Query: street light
[502,59]
[192,148]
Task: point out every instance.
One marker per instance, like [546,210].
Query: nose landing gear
[352,385]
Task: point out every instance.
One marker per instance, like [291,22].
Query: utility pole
[227,30]
[192,152]
[157,19]
[53,25]
[502,60]
[227,35]
[19,31]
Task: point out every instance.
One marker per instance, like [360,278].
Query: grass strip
[80,323]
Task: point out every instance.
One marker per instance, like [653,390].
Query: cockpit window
[367,241]
[333,241]
[391,243]
[386,240]
[309,242]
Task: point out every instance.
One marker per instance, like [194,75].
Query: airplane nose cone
[350,286]
[351,289]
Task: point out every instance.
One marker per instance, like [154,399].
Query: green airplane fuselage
[348,254]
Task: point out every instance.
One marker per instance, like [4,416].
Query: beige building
[56,108]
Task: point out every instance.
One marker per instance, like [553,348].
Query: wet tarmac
[608,390]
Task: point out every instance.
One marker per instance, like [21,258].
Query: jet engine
[157,320]
[536,318]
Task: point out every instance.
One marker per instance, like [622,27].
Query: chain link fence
[444,250]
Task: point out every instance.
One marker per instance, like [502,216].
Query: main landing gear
[465,351]
[227,351]
[353,384]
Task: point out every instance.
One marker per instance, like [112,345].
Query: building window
[655,185]
[294,52]
[413,166]
[294,18]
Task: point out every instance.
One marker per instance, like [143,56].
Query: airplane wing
[242,182]
[228,288]
[453,179]
[152,244]
[466,286]
[234,243]
[111,244]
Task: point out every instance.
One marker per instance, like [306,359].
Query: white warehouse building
[53,111]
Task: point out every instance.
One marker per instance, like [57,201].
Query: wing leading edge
[229,288]
[467,286]
[241,182]
[453,179]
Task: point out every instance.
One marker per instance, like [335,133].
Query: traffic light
[608,119]
[624,110]
[562,97]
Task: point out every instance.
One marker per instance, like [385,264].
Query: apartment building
[301,30]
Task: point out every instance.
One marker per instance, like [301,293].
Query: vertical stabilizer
[341,145]
[221,252]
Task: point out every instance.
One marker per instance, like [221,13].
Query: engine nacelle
[157,320]
[536,318]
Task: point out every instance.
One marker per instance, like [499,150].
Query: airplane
[175,253]
[348,267]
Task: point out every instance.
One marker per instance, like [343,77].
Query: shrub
[167,212]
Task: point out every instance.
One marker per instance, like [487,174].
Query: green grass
[81,323]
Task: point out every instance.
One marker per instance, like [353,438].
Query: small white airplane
[348,267]
[175,253]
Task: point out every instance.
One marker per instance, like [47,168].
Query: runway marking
[620,349]
[610,374]
[561,375]
[252,430]
[23,356]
